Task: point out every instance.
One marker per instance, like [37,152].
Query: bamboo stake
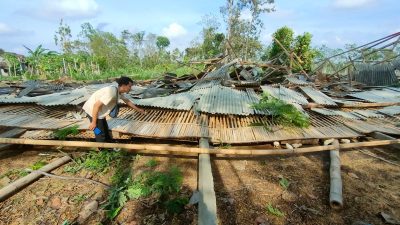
[335,194]
[162,149]
[19,184]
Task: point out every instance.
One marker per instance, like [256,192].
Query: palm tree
[36,55]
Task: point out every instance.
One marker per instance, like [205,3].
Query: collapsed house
[216,106]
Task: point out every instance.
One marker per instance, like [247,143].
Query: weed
[61,134]
[274,211]
[152,163]
[79,198]
[282,112]
[94,161]
[284,183]
[176,205]
[37,165]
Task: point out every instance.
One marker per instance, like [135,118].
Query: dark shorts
[104,136]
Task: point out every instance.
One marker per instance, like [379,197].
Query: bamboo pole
[162,149]
[19,184]
[335,194]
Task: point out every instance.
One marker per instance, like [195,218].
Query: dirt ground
[244,187]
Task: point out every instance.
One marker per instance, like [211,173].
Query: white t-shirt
[108,96]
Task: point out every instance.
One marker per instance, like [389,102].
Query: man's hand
[92,126]
[141,111]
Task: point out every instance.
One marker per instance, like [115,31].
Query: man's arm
[95,113]
[133,106]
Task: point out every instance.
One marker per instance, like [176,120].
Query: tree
[285,36]
[35,56]
[242,36]
[138,38]
[162,43]
[63,38]
[302,48]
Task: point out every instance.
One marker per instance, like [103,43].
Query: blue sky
[332,22]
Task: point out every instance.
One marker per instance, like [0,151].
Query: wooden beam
[157,149]
[11,133]
[208,203]
[382,136]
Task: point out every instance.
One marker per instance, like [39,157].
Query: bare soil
[244,187]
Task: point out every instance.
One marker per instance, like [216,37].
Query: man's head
[124,84]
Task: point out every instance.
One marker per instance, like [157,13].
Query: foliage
[284,113]
[302,48]
[37,165]
[176,205]
[61,134]
[152,163]
[161,185]
[79,198]
[243,33]
[274,211]
[285,36]
[97,161]
[162,43]
[284,183]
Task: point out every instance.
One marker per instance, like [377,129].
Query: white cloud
[349,4]
[5,29]
[174,30]
[56,9]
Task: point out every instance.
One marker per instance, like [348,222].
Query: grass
[96,161]
[79,198]
[135,71]
[152,163]
[274,211]
[61,134]
[284,183]
[18,173]
[284,113]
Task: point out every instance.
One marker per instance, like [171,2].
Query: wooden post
[207,204]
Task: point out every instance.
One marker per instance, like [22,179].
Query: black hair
[124,81]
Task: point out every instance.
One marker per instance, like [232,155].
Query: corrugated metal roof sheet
[385,95]
[181,101]
[223,100]
[390,110]
[375,75]
[213,78]
[330,112]
[317,96]
[294,80]
[285,94]
[369,113]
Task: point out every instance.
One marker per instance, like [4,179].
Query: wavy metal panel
[384,95]
[375,75]
[181,101]
[318,97]
[285,94]
[296,81]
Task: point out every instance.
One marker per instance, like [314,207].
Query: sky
[331,22]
